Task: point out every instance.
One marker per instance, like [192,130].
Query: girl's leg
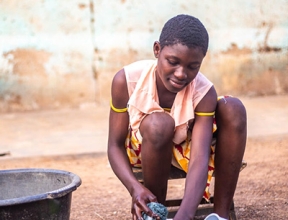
[157,130]
[230,147]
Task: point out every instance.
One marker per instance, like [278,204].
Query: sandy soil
[262,191]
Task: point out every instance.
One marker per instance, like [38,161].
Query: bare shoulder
[209,101]
[119,79]
[119,90]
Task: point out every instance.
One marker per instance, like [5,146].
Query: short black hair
[184,29]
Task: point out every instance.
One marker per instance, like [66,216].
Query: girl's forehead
[181,49]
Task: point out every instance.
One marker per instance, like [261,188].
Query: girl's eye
[172,62]
[194,67]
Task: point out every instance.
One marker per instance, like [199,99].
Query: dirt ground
[262,191]
[63,139]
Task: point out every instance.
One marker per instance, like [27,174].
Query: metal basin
[36,194]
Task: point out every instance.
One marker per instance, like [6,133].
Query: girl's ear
[156,49]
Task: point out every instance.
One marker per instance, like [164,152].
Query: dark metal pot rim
[76,182]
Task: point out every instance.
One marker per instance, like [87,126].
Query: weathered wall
[54,53]
[248,50]
[45,54]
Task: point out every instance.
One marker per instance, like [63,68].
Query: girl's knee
[157,125]
[232,111]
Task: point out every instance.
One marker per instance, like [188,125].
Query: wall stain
[235,50]
[82,6]
[28,62]
[265,47]
[92,28]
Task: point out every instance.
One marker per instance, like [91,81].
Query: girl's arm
[118,130]
[199,157]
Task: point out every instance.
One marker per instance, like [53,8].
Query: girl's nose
[180,73]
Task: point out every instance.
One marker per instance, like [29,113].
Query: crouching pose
[164,112]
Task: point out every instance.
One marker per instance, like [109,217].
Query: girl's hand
[140,198]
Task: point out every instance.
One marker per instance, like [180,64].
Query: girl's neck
[166,98]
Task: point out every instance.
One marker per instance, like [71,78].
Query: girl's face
[177,65]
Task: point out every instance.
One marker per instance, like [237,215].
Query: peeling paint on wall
[248,40]
[27,62]
[45,54]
